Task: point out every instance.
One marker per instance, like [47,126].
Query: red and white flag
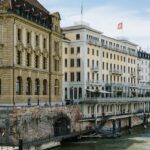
[120,26]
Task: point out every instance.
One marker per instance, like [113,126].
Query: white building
[94,64]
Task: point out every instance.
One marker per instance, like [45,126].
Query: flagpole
[81,12]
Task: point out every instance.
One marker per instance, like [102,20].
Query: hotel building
[95,65]
[143,70]
[30,53]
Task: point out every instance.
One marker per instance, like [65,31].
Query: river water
[138,140]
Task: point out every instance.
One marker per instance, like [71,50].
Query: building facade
[95,65]
[143,71]
[30,53]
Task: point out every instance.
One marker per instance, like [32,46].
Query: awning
[91,90]
[105,92]
[101,91]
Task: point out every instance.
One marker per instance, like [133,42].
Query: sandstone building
[30,53]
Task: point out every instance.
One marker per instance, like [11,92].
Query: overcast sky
[104,15]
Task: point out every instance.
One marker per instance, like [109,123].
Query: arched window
[28,86]
[0,87]
[66,93]
[44,87]
[19,86]
[37,87]
[80,92]
[56,87]
[75,93]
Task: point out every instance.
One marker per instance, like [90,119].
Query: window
[78,50]
[110,56]
[114,56]
[56,47]
[19,86]
[97,53]
[36,61]
[19,35]
[88,63]
[44,43]
[72,50]
[92,63]
[28,86]
[78,62]
[77,36]
[66,93]
[117,57]
[103,54]
[88,51]
[28,61]
[75,93]
[18,57]
[92,51]
[66,76]
[36,40]
[66,51]
[106,66]
[66,63]
[0,87]
[44,87]
[37,87]
[103,65]
[28,37]
[106,55]
[56,65]
[72,63]
[56,87]
[80,92]
[88,75]
[44,62]
[71,93]
[72,76]
[78,76]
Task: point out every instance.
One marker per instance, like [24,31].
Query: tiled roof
[37,4]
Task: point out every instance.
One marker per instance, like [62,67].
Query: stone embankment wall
[33,123]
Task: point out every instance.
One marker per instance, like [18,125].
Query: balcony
[94,82]
[133,74]
[95,69]
[116,71]
[139,78]
[139,68]
[93,42]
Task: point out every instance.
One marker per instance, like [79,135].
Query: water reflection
[139,140]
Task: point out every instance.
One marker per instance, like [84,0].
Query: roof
[82,26]
[37,5]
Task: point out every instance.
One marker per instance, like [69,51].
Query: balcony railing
[116,71]
[94,82]
[93,42]
[95,69]
[133,74]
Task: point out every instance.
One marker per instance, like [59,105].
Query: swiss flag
[120,26]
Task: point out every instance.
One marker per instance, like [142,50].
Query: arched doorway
[62,126]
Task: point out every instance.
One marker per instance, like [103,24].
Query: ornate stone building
[30,53]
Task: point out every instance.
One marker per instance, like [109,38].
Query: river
[138,140]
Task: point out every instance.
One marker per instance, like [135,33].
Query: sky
[104,15]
